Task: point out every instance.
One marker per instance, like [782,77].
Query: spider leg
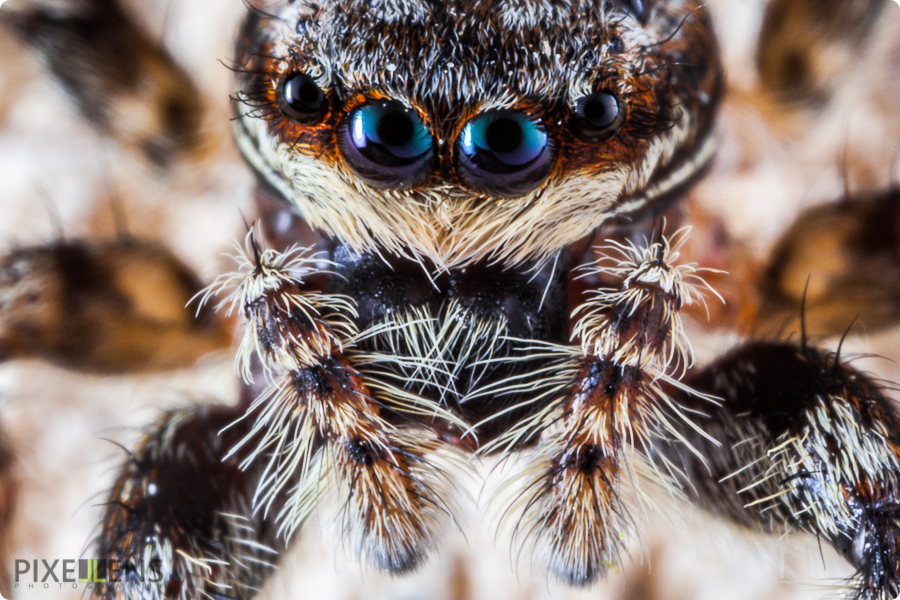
[179,521]
[9,491]
[607,401]
[806,47]
[329,418]
[838,263]
[122,81]
[807,442]
[118,306]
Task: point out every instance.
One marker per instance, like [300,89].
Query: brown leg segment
[123,82]
[9,491]
[581,474]
[114,307]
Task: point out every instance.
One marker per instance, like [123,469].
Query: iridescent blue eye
[387,144]
[504,153]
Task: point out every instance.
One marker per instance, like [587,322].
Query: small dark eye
[616,45]
[637,7]
[387,144]
[504,153]
[301,99]
[598,117]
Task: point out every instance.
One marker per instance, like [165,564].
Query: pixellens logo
[72,573]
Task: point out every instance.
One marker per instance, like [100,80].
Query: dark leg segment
[179,522]
[807,443]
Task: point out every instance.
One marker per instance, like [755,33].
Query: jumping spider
[466,252]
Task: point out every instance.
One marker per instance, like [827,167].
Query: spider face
[452,153]
[463,131]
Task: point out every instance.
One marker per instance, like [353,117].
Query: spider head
[465,130]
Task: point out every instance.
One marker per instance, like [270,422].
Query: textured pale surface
[770,166]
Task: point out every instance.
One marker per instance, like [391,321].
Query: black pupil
[395,129]
[302,94]
[504,135]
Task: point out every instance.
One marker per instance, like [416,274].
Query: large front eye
[301,100]
[598,117]
[504,153]
[387,144]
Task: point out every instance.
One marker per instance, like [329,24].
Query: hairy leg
[799,440]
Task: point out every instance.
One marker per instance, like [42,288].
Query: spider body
[429,288]
[453,189]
